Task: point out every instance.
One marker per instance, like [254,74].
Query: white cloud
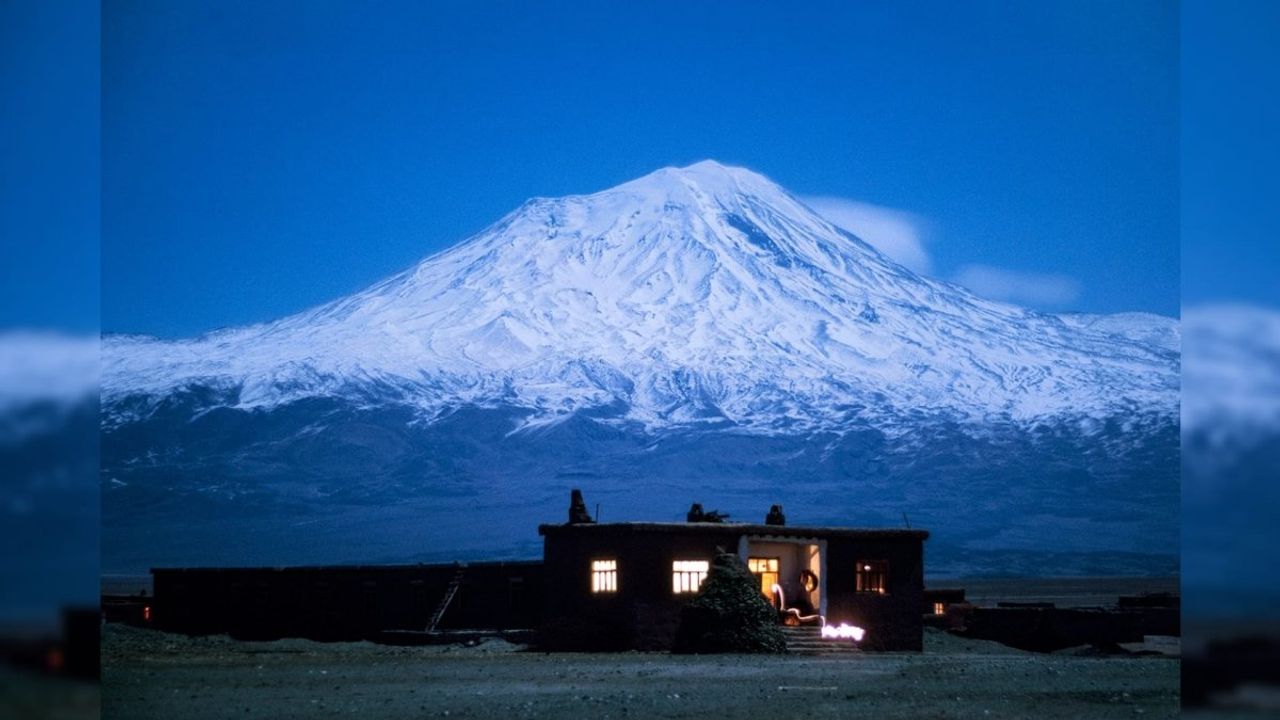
[901,235]
[1044,290]
[896,233]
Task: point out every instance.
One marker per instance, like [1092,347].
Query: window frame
[773,567]
[604,576]
[871,577]
[688,575]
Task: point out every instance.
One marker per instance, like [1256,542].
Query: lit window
[872,576]
[939,608]
[604,576]
[766,569]
[687,575]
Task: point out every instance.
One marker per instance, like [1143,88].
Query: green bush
[729,615]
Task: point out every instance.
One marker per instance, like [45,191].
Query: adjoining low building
[937,601]
[347,602]
[623,583]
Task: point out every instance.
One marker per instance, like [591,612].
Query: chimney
[775,516]
[697,514]
[578,514]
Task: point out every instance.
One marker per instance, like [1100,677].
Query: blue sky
[259,158]
[49,165]
[1230,152]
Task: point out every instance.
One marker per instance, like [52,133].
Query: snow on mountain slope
[46,378]
[1146,328]
[1232,374]
[704,293]
[46,367]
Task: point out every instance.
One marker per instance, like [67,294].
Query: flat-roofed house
[630,579]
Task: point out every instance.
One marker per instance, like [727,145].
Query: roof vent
[696,514]
[775,516]
[578,514]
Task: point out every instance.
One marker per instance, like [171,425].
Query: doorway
[798,566]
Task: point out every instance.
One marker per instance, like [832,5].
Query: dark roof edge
[351,568]
[737,529]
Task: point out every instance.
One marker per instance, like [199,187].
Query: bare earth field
[147,674]
[29,696]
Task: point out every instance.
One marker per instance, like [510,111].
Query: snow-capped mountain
[698,330]
[698,293]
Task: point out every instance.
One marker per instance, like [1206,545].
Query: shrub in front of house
[729,615]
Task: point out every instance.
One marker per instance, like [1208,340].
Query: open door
[794,566]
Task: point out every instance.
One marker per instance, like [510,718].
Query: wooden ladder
[449,593]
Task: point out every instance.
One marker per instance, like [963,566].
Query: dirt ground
[147,674]
[26,695]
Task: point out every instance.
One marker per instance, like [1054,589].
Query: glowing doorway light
[780,602]
[843,631]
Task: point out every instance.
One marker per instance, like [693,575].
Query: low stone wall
[1045,629]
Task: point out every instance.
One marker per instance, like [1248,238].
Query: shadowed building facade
[628,581]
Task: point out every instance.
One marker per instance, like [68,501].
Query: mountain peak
[714,170]
[704,180]
[704,170]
